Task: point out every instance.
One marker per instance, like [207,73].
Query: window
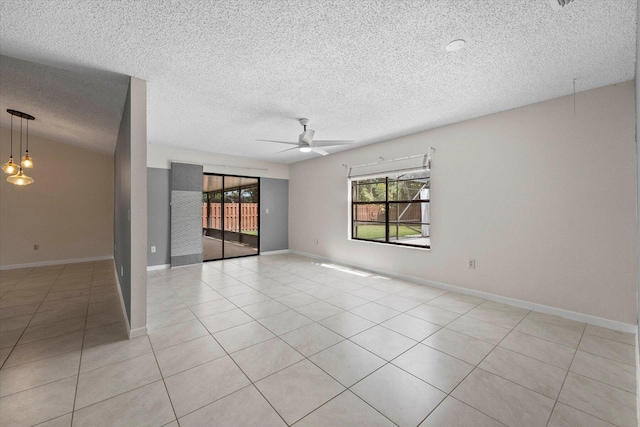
[394,209]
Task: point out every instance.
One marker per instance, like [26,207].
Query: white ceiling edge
[161,156]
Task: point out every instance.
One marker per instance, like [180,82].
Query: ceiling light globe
[20,179]
[10,167]
[27,161]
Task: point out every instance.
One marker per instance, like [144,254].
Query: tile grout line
[387,362]
[277,336]
[477,367]
[251,383]
[32,316]
[48,292]
[162,378]
[20,277]
[75,396]
[565,377]
[308,358]
[510,331]
[305,358]
[317,322]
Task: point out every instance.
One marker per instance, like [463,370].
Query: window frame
[353,220]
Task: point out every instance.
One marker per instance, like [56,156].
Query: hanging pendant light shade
[20,178]
[10,167]
[27,161]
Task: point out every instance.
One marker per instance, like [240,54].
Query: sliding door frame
[240,216]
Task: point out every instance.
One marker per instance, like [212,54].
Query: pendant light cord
[27,152]
[20,153]
[11,154]
[574,96]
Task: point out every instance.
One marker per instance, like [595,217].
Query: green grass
[251,232]
[376,232]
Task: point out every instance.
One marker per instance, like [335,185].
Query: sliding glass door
[230,216]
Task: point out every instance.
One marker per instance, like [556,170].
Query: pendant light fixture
[20,178]
[10,167]
[27,161]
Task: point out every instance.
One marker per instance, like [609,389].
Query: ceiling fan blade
[280,142]
[319,151]
[288,149]
[331,142]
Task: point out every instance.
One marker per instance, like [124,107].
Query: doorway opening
[230,216]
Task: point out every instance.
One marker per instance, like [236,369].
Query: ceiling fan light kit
[306,143]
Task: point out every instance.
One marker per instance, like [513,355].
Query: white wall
[159,156]
[138,94]
[67,211]
[543,199]
[638,198]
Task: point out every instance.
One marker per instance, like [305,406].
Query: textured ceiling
[222,74]
[78,108]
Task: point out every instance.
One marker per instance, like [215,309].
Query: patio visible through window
[230,216]
[394,209]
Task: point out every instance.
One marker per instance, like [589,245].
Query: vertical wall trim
[138,319]
[122,205]
[186,214]
[637,87]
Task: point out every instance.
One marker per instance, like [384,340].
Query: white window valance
[416,163]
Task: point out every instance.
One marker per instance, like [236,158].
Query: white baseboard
[637,379]
[132,333]
[158,267]
[137,332]
[122,305]
[167,266]
[279,252]
[55,262]
[572,315]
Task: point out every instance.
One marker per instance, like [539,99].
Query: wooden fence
[232,216]
[375,212]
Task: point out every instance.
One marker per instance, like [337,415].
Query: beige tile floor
[284,340]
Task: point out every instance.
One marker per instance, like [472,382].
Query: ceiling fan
[306,143]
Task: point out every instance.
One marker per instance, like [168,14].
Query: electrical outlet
[153,249]
[36,247]
[122,270]
[472,263]
[266,210]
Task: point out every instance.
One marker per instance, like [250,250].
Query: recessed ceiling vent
[559,4]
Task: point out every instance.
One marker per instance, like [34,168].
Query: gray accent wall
[186,214]
[122,205]
[158,223]
[274,226]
